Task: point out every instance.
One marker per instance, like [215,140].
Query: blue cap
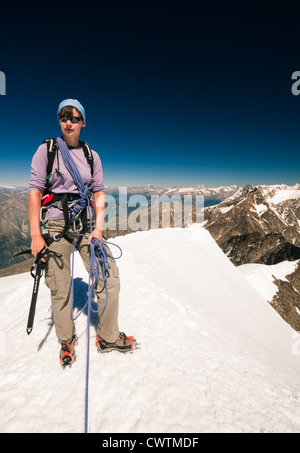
[73,103]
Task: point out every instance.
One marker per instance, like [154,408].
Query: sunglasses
[73,119]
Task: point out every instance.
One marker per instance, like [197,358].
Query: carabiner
[80,224]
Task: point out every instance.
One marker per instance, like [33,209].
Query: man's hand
[37,243]
[96,233]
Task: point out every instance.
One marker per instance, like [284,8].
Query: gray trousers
[58,280]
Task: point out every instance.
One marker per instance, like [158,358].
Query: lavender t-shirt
[62,181]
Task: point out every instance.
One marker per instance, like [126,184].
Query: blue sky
[176,93]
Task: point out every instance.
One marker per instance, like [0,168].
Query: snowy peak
[250,217]
[7,188]
[210,193]
[279,193]
[261,225]
[2,187]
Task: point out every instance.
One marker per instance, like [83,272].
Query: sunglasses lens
[73,119]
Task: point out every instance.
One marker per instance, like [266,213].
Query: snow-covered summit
[214,357]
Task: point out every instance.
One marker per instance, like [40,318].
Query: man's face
[70,129]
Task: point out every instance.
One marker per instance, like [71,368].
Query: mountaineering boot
[67,352]
[122,344]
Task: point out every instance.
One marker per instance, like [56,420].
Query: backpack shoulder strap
[52,150]
[88,155]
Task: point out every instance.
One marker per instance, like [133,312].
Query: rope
[85,191]
[98,259]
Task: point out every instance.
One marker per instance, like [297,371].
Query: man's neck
[72,141]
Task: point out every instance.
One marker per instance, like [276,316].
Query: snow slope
[261,276]
[214,357]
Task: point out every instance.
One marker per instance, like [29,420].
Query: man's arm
[99,199]
[34,206]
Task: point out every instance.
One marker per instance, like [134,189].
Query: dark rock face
[261,225]
[287,301]
[250,229]
[14,226]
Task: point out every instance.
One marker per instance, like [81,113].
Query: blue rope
[98,259]
[85,191]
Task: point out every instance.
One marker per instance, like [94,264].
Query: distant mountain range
[14,221]
[12,188]
[218,193]
[211,195]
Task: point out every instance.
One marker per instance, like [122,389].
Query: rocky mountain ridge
[257,224]
[262,225]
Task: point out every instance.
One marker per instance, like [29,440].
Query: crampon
[122,344]
[67,352]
